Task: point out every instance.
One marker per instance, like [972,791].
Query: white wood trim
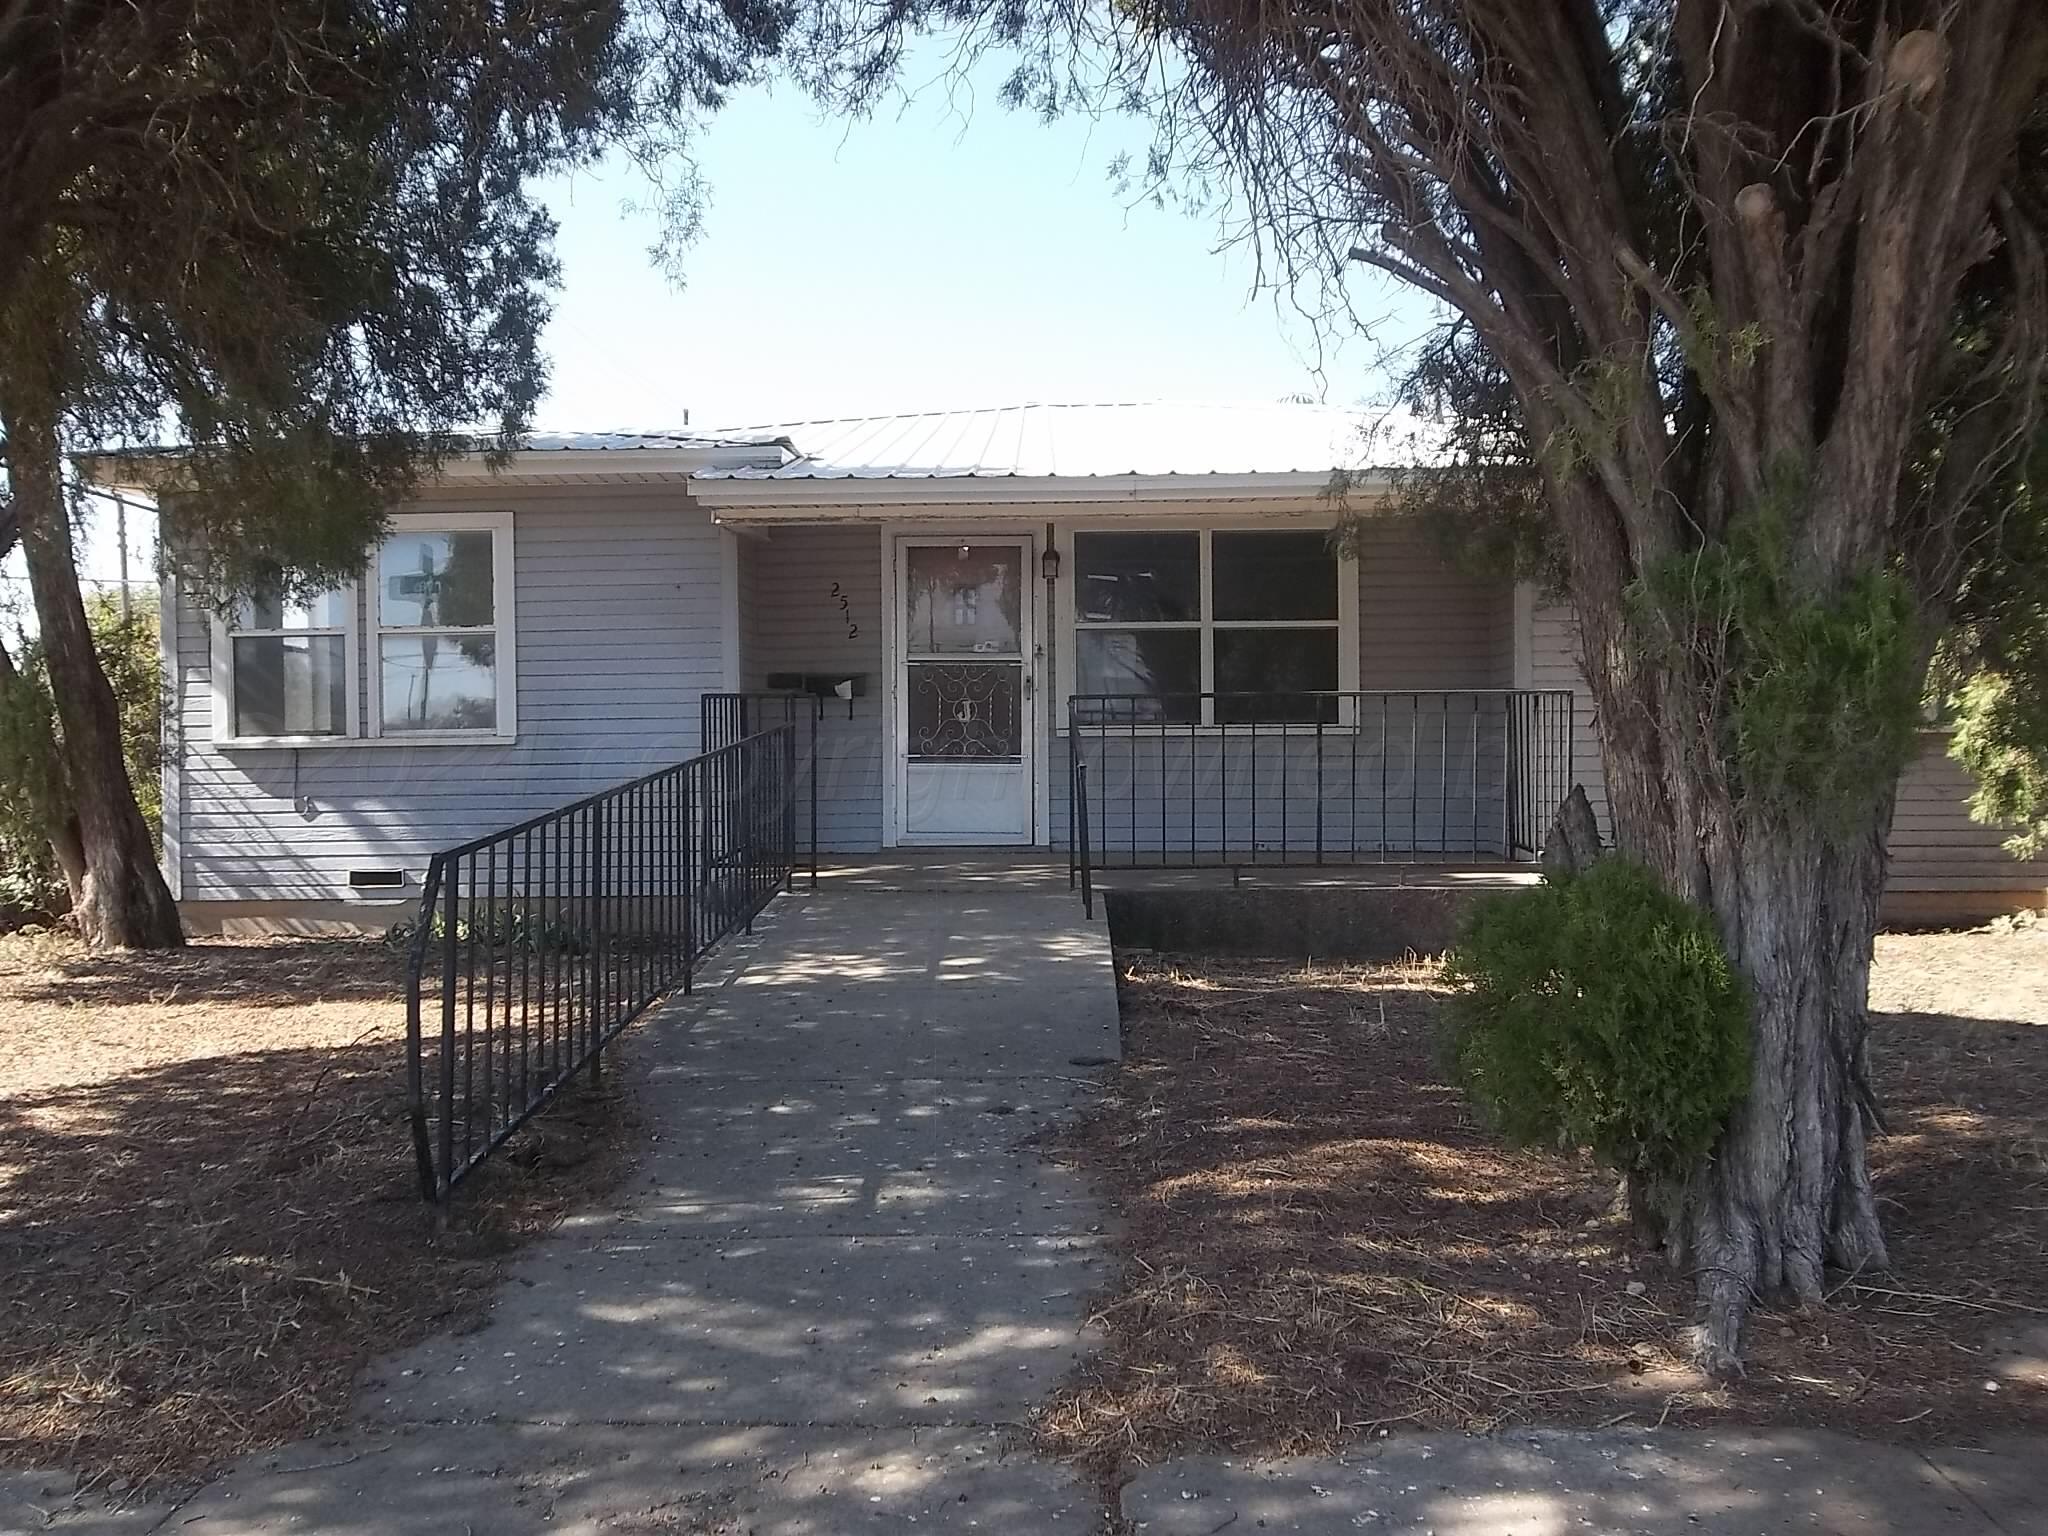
[1044,695]
[1302,494]
[729,669]
[504,629]
[1348,658]
[892,766]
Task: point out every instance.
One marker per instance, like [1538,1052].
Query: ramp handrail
[546,939]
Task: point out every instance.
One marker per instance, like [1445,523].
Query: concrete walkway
[839,1282]
[835,1286]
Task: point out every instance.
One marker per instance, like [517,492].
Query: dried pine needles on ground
[1321,1243]
[208,1215]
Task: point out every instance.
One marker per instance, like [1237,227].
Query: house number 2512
[845,611]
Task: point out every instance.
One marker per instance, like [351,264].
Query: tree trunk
[121,900]
[1787,1194]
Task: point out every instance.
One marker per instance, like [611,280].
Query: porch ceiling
[766,503]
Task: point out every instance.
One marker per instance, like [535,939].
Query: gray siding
[1937,848]
[794,623]
[1943,864]
[1554,663]
[618,632]
[1423,623]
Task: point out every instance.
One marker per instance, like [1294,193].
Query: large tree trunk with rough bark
[1787,1193]
[120,899]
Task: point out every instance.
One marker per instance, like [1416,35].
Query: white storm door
[966,749]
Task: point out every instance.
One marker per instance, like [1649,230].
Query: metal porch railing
[724,718]
[537,945]
[1312,778]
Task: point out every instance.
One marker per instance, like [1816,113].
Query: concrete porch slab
[1043,871]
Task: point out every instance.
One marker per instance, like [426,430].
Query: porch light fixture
[1049,564]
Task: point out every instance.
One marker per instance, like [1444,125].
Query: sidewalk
[1555,1482]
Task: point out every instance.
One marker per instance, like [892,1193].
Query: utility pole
[121,538]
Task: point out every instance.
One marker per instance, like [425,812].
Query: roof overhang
[589,466]
[154,471]
[765,502]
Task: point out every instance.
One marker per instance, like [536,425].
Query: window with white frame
[436,648]
[285,669]
[1208,627]
[441,659]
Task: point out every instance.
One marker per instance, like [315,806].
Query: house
[993,608]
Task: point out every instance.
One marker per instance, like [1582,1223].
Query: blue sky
[948,251]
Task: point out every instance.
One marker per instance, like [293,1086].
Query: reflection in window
[327,610]
[288,664]
[1156,674]
[1270,674]
[436,580]
[1255,614]
[963,600]
[1265,577]
[290,685]
[437,683]
[437,631]
[1138,578]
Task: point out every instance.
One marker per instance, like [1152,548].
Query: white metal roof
[669,442]
[1148,438]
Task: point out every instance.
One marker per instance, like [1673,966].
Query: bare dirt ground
[208,1214]
[1323,1244]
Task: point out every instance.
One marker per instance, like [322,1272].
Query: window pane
[425,579]
[963,599]
[438,682]
[290,685]
[1138,578]
[1276,667]
[1290,575]
[1160,670]
[325,610]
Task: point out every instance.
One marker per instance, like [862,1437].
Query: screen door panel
[965,611]
[966,711]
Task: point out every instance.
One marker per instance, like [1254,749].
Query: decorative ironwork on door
[965,711]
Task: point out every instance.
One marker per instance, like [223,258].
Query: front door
[963,691]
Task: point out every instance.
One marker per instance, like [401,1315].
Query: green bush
[1600,1011]
[33,787]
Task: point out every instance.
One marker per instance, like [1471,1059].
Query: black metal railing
[537,945]
[724,718]
[1313,778]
